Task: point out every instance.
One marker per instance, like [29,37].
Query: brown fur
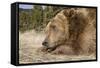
[72,31]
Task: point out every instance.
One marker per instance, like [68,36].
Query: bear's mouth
[48,49]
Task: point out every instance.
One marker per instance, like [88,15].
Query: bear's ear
[69,12]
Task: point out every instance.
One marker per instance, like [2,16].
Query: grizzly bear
[72,32]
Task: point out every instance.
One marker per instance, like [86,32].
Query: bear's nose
[45,43]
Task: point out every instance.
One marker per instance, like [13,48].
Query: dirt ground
[29,45]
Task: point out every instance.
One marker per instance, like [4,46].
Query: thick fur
[72,31]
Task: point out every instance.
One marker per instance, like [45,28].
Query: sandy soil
[29,45]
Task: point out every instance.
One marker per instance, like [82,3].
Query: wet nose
[45,43]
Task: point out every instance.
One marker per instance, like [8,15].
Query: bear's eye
[53,27]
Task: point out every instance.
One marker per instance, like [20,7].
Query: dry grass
[29,45]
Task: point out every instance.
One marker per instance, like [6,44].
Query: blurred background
[36,16]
